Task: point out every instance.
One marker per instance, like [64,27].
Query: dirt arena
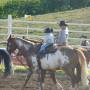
[18,79]
[16,82]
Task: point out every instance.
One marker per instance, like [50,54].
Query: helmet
[62,23]
[48,30]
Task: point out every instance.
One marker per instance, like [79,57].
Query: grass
[22,69]
[16,68]
[78,15]
[73,16]
[25,69]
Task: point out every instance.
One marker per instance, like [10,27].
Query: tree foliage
[20,7]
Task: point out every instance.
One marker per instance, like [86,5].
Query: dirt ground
[18,79]
[16,82]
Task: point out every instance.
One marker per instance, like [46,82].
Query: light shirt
[49,38]
[63,36]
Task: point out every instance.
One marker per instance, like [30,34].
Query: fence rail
[10,28]
[41,29]
[46,22]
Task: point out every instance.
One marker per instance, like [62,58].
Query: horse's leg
[41,77]
[0,59]
[27,79]
[78,74]
[84,70]
[58,84]
[70,72]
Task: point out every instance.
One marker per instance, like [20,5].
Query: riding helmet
[62,23]
[48,30]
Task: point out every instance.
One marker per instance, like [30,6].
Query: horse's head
[11,44]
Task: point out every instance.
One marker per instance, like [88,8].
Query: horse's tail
[83,64]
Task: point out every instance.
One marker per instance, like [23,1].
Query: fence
[27,26]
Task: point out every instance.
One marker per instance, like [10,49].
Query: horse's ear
[9,37]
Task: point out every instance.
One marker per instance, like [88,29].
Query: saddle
[48,50]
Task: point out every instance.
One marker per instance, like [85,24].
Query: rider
[84,41]
[63,34]
[48,39]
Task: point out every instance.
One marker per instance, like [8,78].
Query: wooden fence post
[9,25]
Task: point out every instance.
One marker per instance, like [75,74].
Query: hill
[73,16]
[78,15]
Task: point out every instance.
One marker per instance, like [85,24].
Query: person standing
[84,41]
[62,39]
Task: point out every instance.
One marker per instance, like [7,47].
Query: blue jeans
[44,46]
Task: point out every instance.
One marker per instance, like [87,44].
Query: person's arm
[67,33]
[87,43]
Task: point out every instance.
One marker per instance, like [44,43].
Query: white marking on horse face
[16,51]
[20,43]
[34,62]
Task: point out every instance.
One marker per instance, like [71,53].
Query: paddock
[16,81]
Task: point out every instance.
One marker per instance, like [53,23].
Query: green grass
[25,69]
[16,68]
[73,16]
[77,15]
[3,2]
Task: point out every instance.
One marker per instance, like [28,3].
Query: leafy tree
[19,8]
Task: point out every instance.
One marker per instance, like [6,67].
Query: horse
[86,53]
[67,58]
[4,55]
[85,47]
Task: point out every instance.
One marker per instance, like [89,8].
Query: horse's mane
[82,49]
[35,41]
[26,41]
